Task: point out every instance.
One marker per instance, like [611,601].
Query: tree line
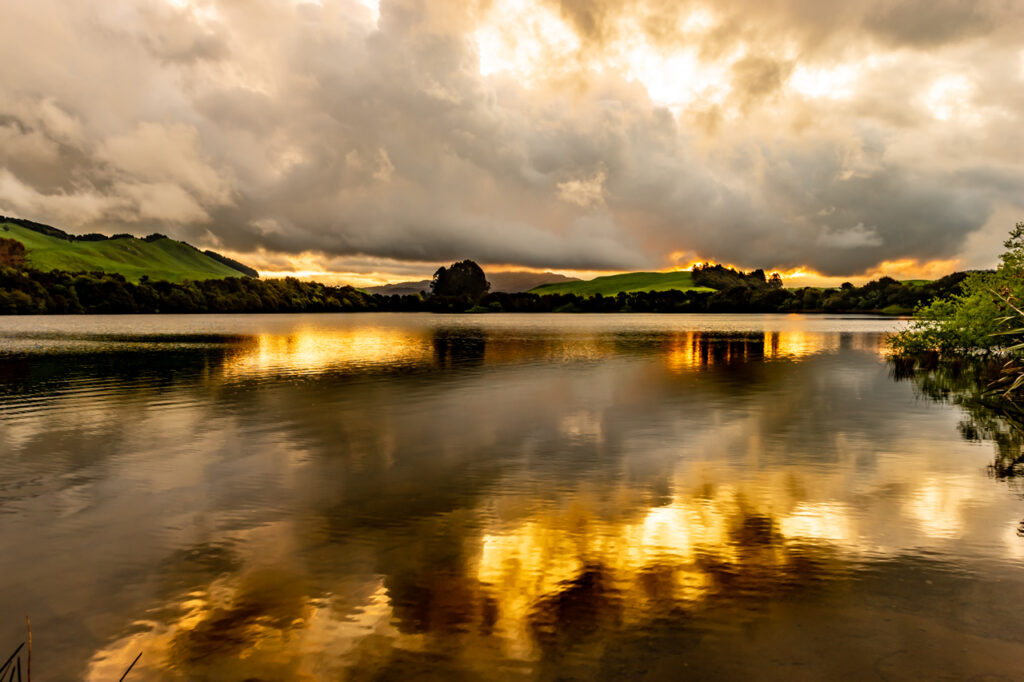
[26,291]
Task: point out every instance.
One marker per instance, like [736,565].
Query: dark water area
[495,497]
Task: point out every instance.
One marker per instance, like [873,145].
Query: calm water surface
[495,497]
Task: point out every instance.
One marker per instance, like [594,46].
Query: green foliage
[28,292]
[132,258]
[982,318]
[727,290]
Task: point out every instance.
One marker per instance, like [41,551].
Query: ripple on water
[372,496]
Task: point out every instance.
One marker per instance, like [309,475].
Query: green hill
[156,257]
[610,285]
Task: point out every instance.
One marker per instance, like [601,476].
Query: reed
[10,671]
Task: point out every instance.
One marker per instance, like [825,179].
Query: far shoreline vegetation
[35,278]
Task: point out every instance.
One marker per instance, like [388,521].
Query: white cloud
[585,192]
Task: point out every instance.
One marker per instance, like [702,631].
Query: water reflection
[315,350]
[362,348]
[500,497]
[974,385]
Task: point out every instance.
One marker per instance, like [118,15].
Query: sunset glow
[538,134]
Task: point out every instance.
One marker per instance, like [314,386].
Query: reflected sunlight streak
[313,350]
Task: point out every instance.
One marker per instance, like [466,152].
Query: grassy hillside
[610,285]
[159,259]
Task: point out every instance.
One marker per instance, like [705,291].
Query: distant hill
[610,285]
[508,282]
[400,288]
[516,281]
[156,256]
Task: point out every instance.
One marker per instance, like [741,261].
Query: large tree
[464,279]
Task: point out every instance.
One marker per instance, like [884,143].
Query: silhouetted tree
[723,278]
[463,280]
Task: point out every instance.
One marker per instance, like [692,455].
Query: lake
[405,496]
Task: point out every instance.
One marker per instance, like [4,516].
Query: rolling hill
[610,285]
[157,257]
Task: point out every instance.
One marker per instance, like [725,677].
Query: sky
[367,142]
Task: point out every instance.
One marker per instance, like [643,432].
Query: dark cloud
[927,23]
[814,24]
[755,78]
[323,127]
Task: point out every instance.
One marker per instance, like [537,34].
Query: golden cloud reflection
[669,556]
[311,349]
[529,565]
[268,620]
[225,632]
[939,504]
[602,557]
[707,543]
[696,350]
[276,623]
[823,521]
[363,347]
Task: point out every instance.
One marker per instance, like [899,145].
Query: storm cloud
[543,133]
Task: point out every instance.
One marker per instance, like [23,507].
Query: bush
[984,316]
